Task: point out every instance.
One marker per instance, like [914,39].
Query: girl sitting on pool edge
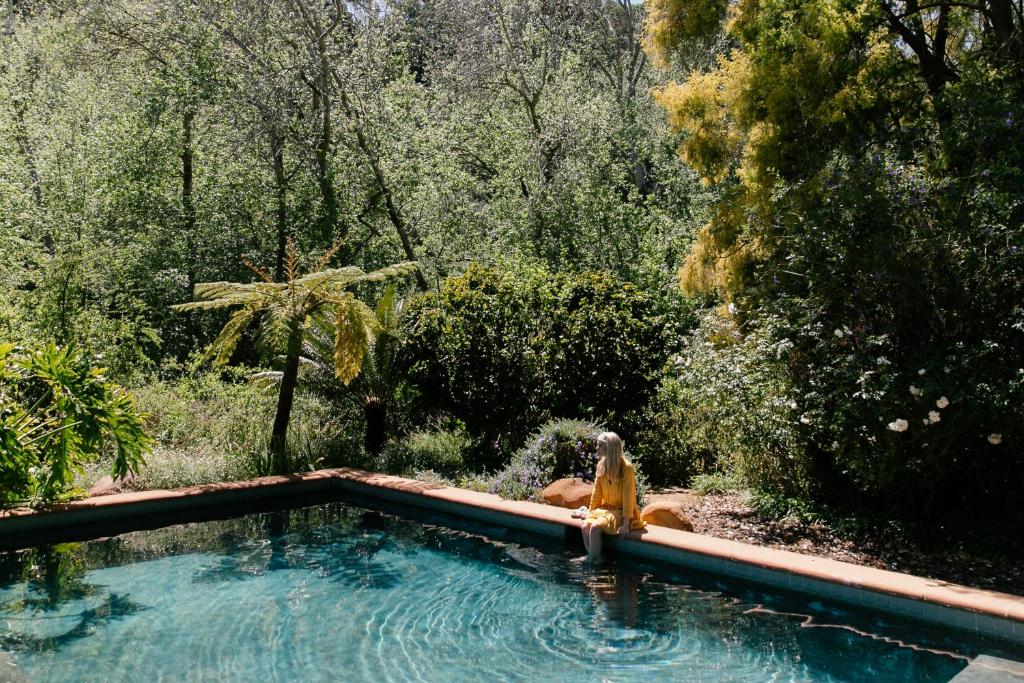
[613,501]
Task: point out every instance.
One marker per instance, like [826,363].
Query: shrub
[725,404]
[439,451]
[904,334]
[561,448]
[223,418]
[503,350]
[58,412]
[170,468]
[714,482]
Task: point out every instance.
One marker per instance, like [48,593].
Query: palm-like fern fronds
[297,313]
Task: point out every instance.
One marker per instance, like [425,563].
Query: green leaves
[58,412]
[504,350]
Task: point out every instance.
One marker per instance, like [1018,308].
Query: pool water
[338,592]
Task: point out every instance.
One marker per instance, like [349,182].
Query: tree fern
[296,313]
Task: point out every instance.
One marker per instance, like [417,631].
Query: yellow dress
[611,501]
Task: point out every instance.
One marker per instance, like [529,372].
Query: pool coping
[987,613]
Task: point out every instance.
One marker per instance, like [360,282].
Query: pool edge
[974,610]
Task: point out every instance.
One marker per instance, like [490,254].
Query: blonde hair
[611,463]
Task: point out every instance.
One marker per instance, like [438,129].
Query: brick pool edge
[983,612]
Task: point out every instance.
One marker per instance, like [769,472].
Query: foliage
[216,424]
[560,448]
[869,227]
[58,412]
[438,450]
[284,309]
[714,482]
[503,350]
[726,404]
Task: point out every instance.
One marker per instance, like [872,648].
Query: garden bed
[728,515]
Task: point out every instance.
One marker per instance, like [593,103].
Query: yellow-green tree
[868,156]
[800,79]
[287,310]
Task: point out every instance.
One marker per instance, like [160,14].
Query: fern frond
[326,258]
[394,270]
[278,319]
[385,308]
[224,345]
[291,261]
[355,325]
[261,273]
[333,278]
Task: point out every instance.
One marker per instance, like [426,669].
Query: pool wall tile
[993,614]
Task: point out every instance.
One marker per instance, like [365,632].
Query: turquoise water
[341,593]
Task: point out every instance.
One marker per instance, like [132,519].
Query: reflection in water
[619,592]
[409,599]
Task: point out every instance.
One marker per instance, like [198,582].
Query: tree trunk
[394,213]
[281,185]
[376,413]
[188,210]
[290,377]
[325,178]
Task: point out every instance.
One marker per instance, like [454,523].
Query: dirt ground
[728,516]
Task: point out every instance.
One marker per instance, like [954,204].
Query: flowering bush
[562,448]
[725,405]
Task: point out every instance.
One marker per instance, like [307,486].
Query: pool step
[985,669]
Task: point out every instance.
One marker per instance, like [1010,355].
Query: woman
[613,501]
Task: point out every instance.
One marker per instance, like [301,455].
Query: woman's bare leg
[586,536]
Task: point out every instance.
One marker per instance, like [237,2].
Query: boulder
[668,514]
[567,493]
[107,486]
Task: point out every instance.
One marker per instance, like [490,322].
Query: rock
[567,493]
[668,514]
[107,486]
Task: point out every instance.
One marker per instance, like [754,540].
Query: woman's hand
[624,530]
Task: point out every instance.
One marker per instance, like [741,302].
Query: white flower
[921,371]
[835,445]
[792,404]
[882,360]
[732,308]
[898,425]
[805,420]
[915,391]
[995,439]
[947,369]
[838,332]
[925,422]
[942,402]
[678,360]
[933,417]
[33,470]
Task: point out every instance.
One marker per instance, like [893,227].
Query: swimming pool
[341,592]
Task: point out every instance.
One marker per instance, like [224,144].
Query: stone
[667,514]
[106,486]
[567,493]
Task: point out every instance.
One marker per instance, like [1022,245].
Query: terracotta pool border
[974,610]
